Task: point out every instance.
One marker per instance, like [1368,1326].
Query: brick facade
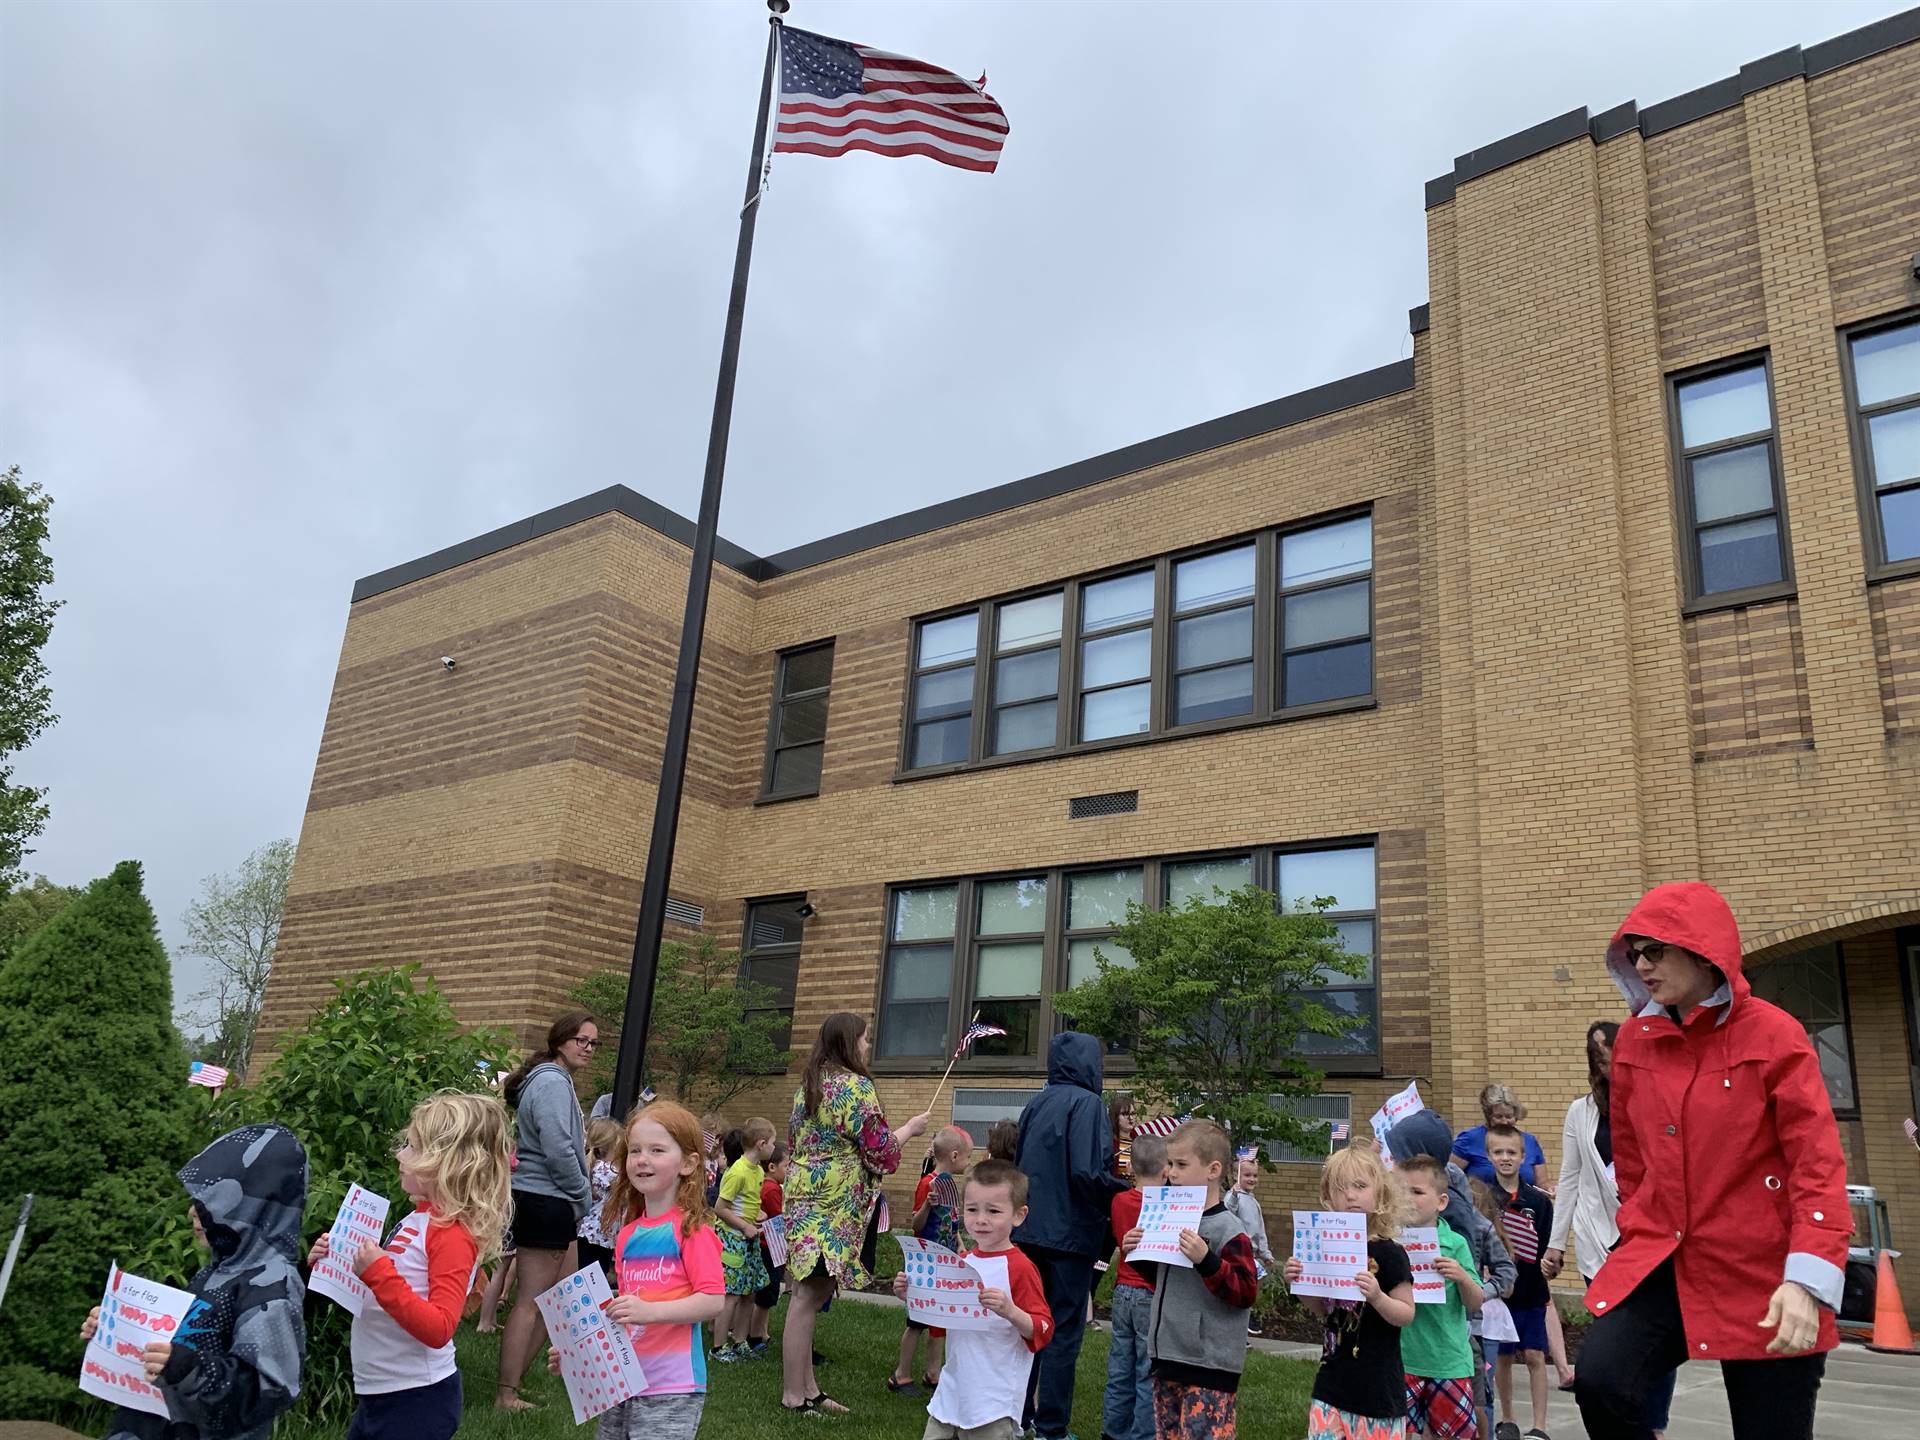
[1553,727]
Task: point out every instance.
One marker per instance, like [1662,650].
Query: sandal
[902,1387]
[826,1405]
[805,1407]
[932,1382]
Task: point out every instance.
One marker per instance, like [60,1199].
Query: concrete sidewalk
[1865,1396]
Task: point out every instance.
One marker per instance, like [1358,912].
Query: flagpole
[673,760]
[950,1064]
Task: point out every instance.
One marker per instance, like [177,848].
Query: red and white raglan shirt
[404,1340]
[984,1378]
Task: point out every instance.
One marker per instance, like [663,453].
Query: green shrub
[95,1117]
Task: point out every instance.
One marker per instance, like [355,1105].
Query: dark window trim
[1846,1017]
[964,975]
[1873,540]
[990,704]
[1282,592]
[780,700]
[1693,601]
[1071,695]
[750,952]
[909,709]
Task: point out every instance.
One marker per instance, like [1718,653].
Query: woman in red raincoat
[1733,1214]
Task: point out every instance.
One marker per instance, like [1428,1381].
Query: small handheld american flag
[976,1031]
[1339,1131]
[211,1076]
[1163,1126]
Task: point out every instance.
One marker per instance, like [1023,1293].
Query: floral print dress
[839,1154]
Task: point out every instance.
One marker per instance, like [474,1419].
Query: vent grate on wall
[1114,802]
[685,912]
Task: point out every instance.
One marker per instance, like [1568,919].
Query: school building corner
[1615,581]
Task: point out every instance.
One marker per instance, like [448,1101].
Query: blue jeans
[1129,1409]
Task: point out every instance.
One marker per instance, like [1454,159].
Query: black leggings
[1628,1351]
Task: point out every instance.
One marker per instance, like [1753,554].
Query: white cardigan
[1587,1198]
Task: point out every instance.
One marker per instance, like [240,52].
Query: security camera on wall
[447,662]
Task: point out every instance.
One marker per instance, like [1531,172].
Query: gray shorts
[993,1430]
[653,1417]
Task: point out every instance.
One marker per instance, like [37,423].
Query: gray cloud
[295,292]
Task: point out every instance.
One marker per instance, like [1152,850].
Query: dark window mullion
[1266,583]
[1721,523]
[1734,443]
[1160,648]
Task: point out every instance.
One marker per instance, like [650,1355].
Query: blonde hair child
[741,1259]
[666,1261]
[606,1150]
[1361,1386]
[453,1166]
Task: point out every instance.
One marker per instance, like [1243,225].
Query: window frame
[1071,696]
[1872,534]
[1851,1112]
[963,978]
[1260,603]
[768,761]
[1694,602]
[750,952]
[1277,649]
[989,704]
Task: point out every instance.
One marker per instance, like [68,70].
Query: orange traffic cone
[1891,1333]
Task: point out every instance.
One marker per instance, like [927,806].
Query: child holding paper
[248,1191]
[773,1203]
[983,1386]
[1360,1392]
[667,1260]
[936,1217]
[740,1258]
[1437,1346]
[594,1246]
[1128,1411]
[1197,1332]
[453,1166]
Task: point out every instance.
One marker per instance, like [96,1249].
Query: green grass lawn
[861,1341]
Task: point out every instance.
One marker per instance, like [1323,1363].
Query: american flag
[976,1031]
[1521,1237]
[1162,1127]
[1338,1131]
[836,96]
[201,1073]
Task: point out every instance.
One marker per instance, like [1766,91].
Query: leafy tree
[235,924]
[712,1035]
[95,1117]
[345,1083]
[26,908]
[1214,1005]
[26,620]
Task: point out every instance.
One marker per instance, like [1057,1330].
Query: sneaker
[756,1348]
[727,1354]
[1506,1430]
[1253,1330]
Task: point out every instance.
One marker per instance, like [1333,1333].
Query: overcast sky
[292,293]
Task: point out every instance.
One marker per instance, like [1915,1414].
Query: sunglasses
[1651,951]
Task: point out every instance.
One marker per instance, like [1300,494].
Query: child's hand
[750,1230]
[998,1301]
[1449,1268]
[322,1248]
[1130,1241]
[365,1256]
[155,1358]
[1551,1262]
[629,1310]
[1293,1269]
[553,1360]
[899,1287]
[90,1324]
[1369,1284]
[1192,1246]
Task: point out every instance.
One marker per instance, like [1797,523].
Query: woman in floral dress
[841,1150]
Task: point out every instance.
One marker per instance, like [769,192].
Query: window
[797,733]
[1326,612]
[1009,961]
[1026,675]
[1885,375]
[770,954]
[1256,629]
[1729,482]
[1333,1109]
[978,1110]
[1116,656]
[1347,875]
[1213,636]
[919,972]
[1007,945]
[1811,987]
[942,730]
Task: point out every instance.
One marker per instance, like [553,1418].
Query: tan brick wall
[1556,728]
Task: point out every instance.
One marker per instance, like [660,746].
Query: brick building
[1617,580]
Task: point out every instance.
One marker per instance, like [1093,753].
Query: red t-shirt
[1126,1215]
[771,1198]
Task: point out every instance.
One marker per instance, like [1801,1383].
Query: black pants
[432,1412]
[1632,1348]
[1068,1281]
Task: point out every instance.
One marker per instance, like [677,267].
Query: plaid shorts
[1442,1407]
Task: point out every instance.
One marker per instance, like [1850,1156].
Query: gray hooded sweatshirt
[552,1138]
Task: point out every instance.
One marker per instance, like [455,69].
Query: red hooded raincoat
[1724,1144]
